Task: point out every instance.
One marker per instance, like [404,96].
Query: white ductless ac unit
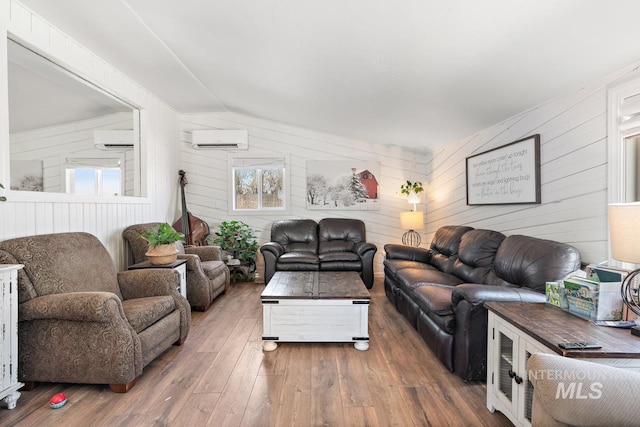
[113,140]
[227,139]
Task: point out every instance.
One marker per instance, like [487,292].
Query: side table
[518,330]
[239,271]
[179,265]
[9,384]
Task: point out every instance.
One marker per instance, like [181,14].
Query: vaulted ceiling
[412,72]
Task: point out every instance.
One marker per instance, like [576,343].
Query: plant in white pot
[162,244]
[412,190]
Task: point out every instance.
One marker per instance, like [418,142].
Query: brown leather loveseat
[332,244]
[441,291]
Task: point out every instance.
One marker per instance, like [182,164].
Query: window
[101,177]
[258,184]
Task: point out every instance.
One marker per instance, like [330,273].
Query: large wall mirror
[66,134]
[624,142]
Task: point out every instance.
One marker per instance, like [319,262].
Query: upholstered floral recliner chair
[207,275]
[80,321]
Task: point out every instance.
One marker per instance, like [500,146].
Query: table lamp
[411,221]
[624,229]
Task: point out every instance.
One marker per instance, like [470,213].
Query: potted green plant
[238,240]
[162,244]
[411,187]
[412,190]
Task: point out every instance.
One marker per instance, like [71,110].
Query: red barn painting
[370,183]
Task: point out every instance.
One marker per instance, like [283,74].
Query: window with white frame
[258,184]
[101,177]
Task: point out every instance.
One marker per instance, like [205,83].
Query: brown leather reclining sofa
[441,290]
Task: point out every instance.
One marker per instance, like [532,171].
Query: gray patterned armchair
[80,321]
[207,275]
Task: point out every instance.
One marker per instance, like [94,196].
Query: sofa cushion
[298,258]
[531,262]
[476,254]
[434,298]
[48,264]
[435,302]
[394,265]
[296,235]
[340,234]
[144,312]
[410,278]
[338,256]
[445,245]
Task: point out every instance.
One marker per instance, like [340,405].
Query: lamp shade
[624,229]
[412,220]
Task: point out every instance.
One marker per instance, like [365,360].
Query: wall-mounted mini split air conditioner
[220,139]
[113,140]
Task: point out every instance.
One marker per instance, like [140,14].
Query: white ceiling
[411,72]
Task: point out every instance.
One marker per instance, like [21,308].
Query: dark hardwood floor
[221,377]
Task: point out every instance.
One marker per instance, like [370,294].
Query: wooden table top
[316,285]
[147,264]
[551,325]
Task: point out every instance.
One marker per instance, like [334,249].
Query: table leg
[272,345]
[361,345]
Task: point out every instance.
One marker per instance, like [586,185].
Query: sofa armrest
[605,399]
[271,251]
[409,253]
[148,282]
[206,253]
[470,343]
[75,306]
[362,248]
[273,248]
[193,262]
[478,294]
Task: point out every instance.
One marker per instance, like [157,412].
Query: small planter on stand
[162,254]
[162,244]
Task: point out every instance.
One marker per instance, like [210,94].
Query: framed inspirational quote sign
[509,174]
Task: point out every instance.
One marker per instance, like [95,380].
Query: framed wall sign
[509,174]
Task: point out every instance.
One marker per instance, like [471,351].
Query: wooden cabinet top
[147,264]
[551,325]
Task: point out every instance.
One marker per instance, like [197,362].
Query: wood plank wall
[573,139]
[208,174]
[28,213]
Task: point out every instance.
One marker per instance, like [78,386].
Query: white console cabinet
[508,388]
[518,330]
[9,385]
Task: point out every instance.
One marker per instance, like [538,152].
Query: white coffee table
[315,306]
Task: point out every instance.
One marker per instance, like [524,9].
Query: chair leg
[122,388]
[29,385]
[180,341]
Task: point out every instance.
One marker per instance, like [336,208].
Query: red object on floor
[58,400]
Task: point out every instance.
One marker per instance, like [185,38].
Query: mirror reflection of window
[632,161]
[101,177]
[54,115]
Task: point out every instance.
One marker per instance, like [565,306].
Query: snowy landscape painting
[342,185]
